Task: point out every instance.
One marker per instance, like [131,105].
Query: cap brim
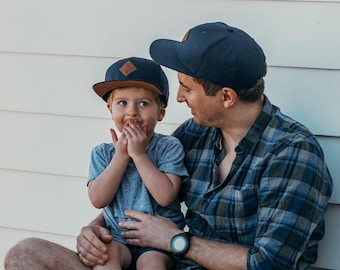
[165,53]
[103,88]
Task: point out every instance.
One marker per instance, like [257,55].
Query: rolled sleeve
[293,197]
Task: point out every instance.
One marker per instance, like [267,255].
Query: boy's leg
[119,257]
[154,260]
[39,254]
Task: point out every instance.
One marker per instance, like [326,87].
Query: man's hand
[148,231]
[91,245]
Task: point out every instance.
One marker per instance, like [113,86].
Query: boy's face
[139,105]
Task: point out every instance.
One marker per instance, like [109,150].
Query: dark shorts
[137,251]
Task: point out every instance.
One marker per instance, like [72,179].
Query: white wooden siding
[51,52]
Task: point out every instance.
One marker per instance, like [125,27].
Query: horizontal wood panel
[293,33]
[62,145]
[56,145]
[52,84]
[328,256]
[52,144]
[63,85]
[331,148]
[307,95]
[44,203]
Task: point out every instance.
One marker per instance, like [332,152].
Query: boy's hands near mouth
[136,138]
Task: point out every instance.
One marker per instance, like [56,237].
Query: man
[258,187]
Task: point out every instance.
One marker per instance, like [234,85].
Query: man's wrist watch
[180,244]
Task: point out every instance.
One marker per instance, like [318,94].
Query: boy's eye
[122,103]
[143,103]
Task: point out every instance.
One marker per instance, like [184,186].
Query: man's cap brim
[164,52]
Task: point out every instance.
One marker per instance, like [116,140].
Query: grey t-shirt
[166,152]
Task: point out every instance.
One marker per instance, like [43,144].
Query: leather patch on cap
[186,36]
[127,68]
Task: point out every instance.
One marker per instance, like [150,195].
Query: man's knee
[20,254]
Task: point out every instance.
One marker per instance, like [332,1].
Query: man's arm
[216,255]
[209,254]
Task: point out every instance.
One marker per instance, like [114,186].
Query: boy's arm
[163,187]
[103,189]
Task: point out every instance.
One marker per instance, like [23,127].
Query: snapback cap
[216,52]
[134,72]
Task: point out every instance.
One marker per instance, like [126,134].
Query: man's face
[205,109]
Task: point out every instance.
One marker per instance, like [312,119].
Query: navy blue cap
[134,72]
[216,52]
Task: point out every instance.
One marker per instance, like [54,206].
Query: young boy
[142,169]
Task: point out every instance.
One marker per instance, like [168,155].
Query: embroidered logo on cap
[127,68]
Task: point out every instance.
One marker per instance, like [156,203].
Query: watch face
[180,244]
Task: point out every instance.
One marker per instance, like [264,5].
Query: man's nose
[180,97]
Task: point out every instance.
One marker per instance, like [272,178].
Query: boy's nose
[132,111]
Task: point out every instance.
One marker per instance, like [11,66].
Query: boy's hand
[120,144]
[136,137]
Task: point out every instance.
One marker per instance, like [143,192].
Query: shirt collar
[254,133]
[259,126]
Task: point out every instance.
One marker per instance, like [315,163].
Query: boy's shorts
[138,251]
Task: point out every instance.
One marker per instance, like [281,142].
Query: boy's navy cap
[216,52]
[134,72]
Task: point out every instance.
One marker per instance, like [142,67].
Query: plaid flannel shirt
[274,198]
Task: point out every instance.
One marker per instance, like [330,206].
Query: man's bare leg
[39,254]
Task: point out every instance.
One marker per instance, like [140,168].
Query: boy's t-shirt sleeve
[100,158]
[167,155]
[170,156]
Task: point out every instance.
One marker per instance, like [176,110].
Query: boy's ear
[109,107]
[161,114]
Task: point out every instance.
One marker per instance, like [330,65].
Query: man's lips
[191,109]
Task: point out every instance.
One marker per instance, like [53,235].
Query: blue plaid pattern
[274,198]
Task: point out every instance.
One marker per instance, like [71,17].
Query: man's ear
[229,96]
[161,113]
